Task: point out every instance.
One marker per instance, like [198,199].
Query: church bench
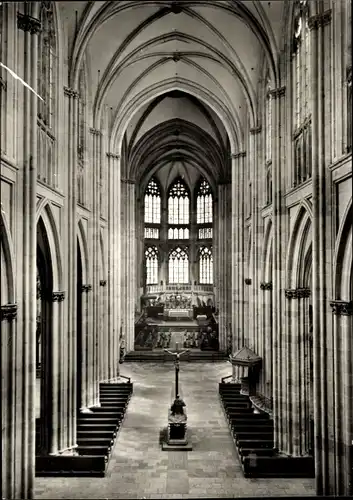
[265,435]
[240,411]
[234,405]
[265,452]
[95,441]
[66,466]
[238,429]
[249,423]
[101,415]
[93,450]
[252,417]
[255,443]
[97,426]
[278,466]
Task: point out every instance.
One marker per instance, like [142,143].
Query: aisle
[139,469]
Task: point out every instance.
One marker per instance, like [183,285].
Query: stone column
[114,263]
[238,258]
[24,389]
[322,343]
[280,231]
[298,425]
[129,261]
[86,348]
[256,236]
[267,361]
[224,260]
[343,376]
[58,416]
[96,341]
[8,366]
[104,334]
[69,392]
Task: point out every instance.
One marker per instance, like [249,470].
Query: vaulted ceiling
[174,80]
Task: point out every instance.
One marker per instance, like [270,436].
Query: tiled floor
[139,468]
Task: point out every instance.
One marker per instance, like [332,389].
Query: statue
[177,407]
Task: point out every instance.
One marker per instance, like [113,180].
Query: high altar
[167,313]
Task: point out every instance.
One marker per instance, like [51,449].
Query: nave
[138,468]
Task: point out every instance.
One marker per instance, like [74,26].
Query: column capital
[8,312]
[322,19]
[235,156]
[95,131]
[69,92]
[266,285]
[279,92]
[248,281]
[342,308]
[103,282]
[86,288]
[28,23]
[113,155]
[297,293]
[255,130]
[58,296]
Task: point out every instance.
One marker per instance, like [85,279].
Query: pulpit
[247,358]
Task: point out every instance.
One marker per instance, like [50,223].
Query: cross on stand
[177,355]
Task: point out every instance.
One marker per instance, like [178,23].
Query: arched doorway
[79,329]
[43,343]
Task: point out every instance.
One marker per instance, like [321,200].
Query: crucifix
[177,355]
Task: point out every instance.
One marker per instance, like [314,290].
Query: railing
[179,288]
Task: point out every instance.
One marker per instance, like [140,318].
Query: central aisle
[139,468]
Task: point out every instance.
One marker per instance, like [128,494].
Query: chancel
[176,248]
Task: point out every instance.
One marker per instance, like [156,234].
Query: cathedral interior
[176,182]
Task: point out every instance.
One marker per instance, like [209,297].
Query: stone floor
[139,468]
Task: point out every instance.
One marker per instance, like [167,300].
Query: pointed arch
[82,242]
[299,248]
[7,260]
[267,253]
[343,270]
[45,212]
[178,202]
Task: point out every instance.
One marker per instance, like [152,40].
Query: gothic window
[205,233]
[205,265]
[151,256]
[268,124]
[152,203]
[81,137]
[301,94]
[152,233]
[46,65]
[178,203]
[178,233]
[349,109]
[178,266]
[204,203]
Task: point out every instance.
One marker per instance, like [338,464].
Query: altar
[178,313]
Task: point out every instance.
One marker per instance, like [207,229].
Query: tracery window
[178,233]
[81,138]
[204,210]
[205,265]
[301,86]
[204,203]
[46,64]
[151,257]
[47,60]
[178,266]
[152,203]
[178,204]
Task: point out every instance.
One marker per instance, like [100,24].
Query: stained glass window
[205,233]
[152,233]
[206,265]
[178,266]
[178,204]
[204,203]
[151,256]
[178,233]
[153,203]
